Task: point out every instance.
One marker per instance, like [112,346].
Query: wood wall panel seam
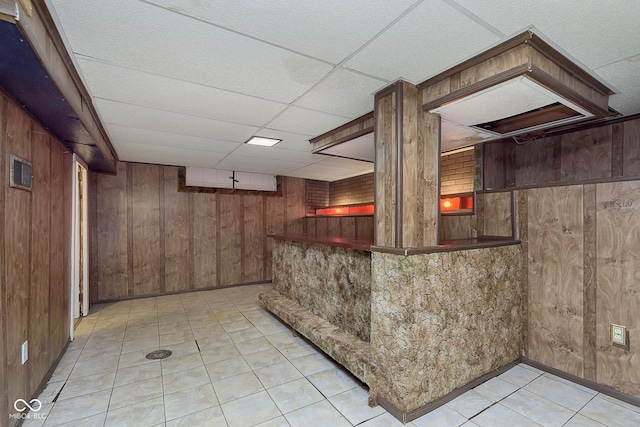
[192,255]
[129,198]
[589,287]
[162,231]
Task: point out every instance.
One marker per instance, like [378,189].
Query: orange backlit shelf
[346,210]
[456,204]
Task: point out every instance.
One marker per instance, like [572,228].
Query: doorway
[79,306]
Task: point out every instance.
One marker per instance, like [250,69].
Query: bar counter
[342,242]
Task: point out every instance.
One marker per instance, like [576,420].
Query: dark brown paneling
[522,218]
[617,149]
[494,166]
[176,233]
[295,195]
[535,161]
[4,409]
[204,240]
[145,195]
[274,213]
[61,167]
[455,227]
[40,243]
[254,235]
[17,231]
[230,239]
[497,213]
[112,257]
[348,227]
[631,148]
[333,226]
[586,154]
[364,227]
[322,227]
[93,235]
[386,159]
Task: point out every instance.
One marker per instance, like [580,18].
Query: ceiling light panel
[263,141]
[330,30]
[193,50]
[408,49]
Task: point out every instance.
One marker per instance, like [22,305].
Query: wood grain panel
[333,226]
[535,161]
[176,233]
[497,214]
[495,65]
[296,204]
[275,225]
[631,148]
[322,227]
[17,250]
[586,154]
[39,359]
[254,235]
[411,229]
[455,227]
[112,256]
[204,240]
[618,287]
[4,409]
[348,227]
[60,252]
[385,188]
[364,227]
[145,194]
[589,299]
[429,167]
[555,275]
[522,218]
[230,239]
[310,226]
[494,165]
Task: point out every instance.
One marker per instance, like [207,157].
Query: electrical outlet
[619,335]
[25,352]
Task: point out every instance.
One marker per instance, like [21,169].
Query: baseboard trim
[583,382]
[406,417]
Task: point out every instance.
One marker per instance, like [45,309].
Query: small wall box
[20,173]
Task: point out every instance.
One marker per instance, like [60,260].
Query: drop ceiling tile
[593,31]
[157,40]
[153,138]
[324,172]
[257,165]
[344,93]
[277,153]
[330,29]
[432,38]
[303,121]
[343,163]
[138,88]
[148,118]
[625,76]
[142,153]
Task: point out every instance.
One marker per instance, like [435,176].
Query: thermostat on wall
[20,175]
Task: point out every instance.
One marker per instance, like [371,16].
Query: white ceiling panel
[166,139]
[164,121]
[133,152]
[326,172]
[258,165]
[431,39]
[277,153]
[138,88]
[626,75]
[344,93]
[329,29]
[595,32]
[157,40]
[301,120]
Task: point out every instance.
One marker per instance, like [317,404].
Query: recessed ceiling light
[265,142]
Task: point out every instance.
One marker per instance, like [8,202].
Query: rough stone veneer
[332,282]
[441,320]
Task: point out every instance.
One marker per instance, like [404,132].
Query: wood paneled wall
[350,227]
[34,256]
[580,232]
[600,153]
[582,243]
[152,239]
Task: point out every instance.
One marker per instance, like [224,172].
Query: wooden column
[406,169]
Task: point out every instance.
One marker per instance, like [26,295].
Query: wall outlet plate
[619,336]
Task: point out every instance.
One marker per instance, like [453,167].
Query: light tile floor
[235,365]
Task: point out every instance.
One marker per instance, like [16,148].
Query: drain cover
[158,354]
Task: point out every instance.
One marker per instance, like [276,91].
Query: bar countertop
[357,244]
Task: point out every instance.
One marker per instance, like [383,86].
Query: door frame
[79,242]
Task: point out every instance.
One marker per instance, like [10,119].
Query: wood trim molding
[399,162]
[354,122]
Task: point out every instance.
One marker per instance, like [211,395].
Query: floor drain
[158,354]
